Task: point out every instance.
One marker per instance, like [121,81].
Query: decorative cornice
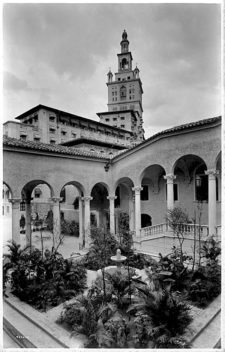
[87,198]
[111,197]
[212,173]
[170,178]
[137,189]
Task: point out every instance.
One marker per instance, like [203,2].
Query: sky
[59,55]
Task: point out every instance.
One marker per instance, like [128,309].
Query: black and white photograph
[112,175]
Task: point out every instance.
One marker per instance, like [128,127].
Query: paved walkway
[70,244]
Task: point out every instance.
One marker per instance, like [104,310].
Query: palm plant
[168,316]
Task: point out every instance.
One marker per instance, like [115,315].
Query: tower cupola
[124,43]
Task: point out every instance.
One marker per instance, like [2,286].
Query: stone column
[81,222]
[212,200]
[112,198]
[137,195]
[15,219]
[131,212]
[56,219]
[28,222]
[87,216]
[170,197]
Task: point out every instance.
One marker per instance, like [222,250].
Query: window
[201,187]
[117,200]
[122,126]
[7,208]
[123,92]
[52,141]
[107,120]
[37,193]
[114,118]
[128,77]
[144,192]
[52,130]
[36,139]
[175,191]
[92,150]
[118,79]
[2,210]
[23,138]
[22,206]
[52,118]
[122,118]
[63,133]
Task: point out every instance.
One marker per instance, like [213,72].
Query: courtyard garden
[133,301]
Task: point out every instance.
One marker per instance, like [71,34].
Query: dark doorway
[146,220]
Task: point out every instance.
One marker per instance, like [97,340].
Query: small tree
[177,218]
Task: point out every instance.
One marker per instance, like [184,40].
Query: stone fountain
[118,259]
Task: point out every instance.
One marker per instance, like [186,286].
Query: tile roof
[179,128]
[56,148]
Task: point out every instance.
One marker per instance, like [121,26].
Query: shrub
[44,281]
[70,228]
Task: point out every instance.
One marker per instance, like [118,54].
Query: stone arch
[152,175]
[71,207]
[99,205]
[31,185]
[187,164]
[5,185]
[218,161]
[124,202]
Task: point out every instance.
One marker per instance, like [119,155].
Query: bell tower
[125,94]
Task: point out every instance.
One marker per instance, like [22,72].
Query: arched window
[124,64]
[123,93]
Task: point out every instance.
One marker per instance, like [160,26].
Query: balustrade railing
[153,230]
[158,229]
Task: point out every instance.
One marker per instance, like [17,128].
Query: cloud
[11,82]
[60,54]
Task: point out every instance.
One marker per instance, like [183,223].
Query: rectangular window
[122,118]
[36,139]
[175,191]
[144,192]
[201,188]
[51,130]
[23,138]
[7,209]
[63,133]
[122,126]
[2,210]
[22,206]
[107,120]
[114,118]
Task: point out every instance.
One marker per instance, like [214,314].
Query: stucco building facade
[180,166]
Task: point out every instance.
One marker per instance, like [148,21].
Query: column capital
[111,197]
[27,200]
[212,173]
[15,200]
[137,189]
[56,200]
[170,178]
[87,198]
